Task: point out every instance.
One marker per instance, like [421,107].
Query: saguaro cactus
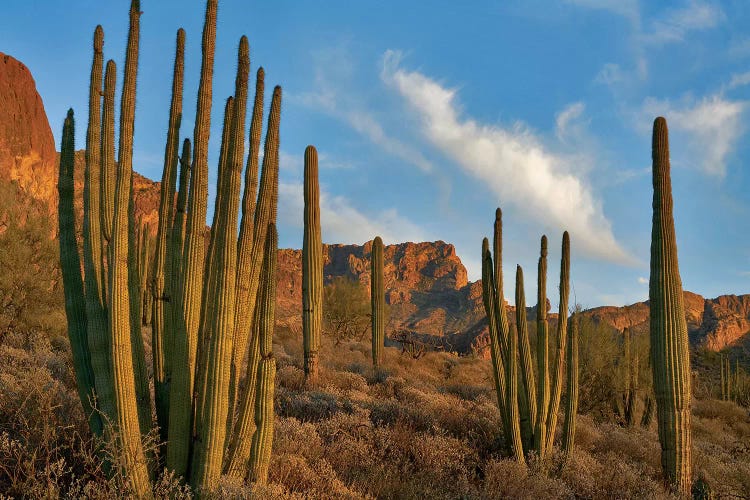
[377,301]
[670,357]
[312,267]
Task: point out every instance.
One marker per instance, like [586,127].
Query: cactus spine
[312,267]
[260,455]
[163,267]
[670,357]
[377,301]
[75,307]
[188,307]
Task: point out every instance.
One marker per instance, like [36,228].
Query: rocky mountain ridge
[426,283]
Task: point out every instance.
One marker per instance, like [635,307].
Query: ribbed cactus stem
[209,450]
[188,322]
[265,213]
[95,279]
[562,337]
[571,407]
[162,292]
[670,357]
[542,354]
[527,397]
[124,373]
[511,402]
[498,368]
[75,306]
[107,170]
[377,301]
[260,455]
[312,267]
[245,240]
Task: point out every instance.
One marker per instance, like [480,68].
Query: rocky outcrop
[27,146]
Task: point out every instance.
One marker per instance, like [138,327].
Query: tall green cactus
[162,290]
[260,455]
[94,276]
[542,353]
[239,450]
[571,408]
[312,267]
[108,173]
[75,307]
[670,356]
[377,301]
[188,306]
[243,315]
[209,450]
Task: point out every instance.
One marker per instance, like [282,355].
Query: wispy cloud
[342,222]
[642,280]
[677,23]
[738,80]
[329,98]
[626,8]
[567,121]
[512,162]
[712,124]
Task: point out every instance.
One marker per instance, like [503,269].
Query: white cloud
[510,162]
[343,223]
[642,280]
[712,126]
[677,23]
[625,8]
[567,121]
[739,80]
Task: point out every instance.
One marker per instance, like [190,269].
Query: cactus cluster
[529,404]
[204,307]
[670,356]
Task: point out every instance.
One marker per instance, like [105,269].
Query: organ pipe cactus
[670,357]
[75,307]
[571,408]
[188,303]
[117,252]
[312,267]
[377,301]
[529,417]
[162,290]
[260,455]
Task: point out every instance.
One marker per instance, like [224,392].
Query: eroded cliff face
[27,146]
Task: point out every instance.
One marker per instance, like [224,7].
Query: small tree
[346,310]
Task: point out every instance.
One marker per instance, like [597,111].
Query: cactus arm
[377,301]
[245,240]
[188,314]
[312,267]
[260,454]
[209,449]
[562,335]
[670,357]
[571,407]
[527,397]
[542,354]
[75,307]
[107,172]
[161,328]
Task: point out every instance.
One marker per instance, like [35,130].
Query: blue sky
[428,115]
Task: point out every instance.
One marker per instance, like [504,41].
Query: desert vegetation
[148,362]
